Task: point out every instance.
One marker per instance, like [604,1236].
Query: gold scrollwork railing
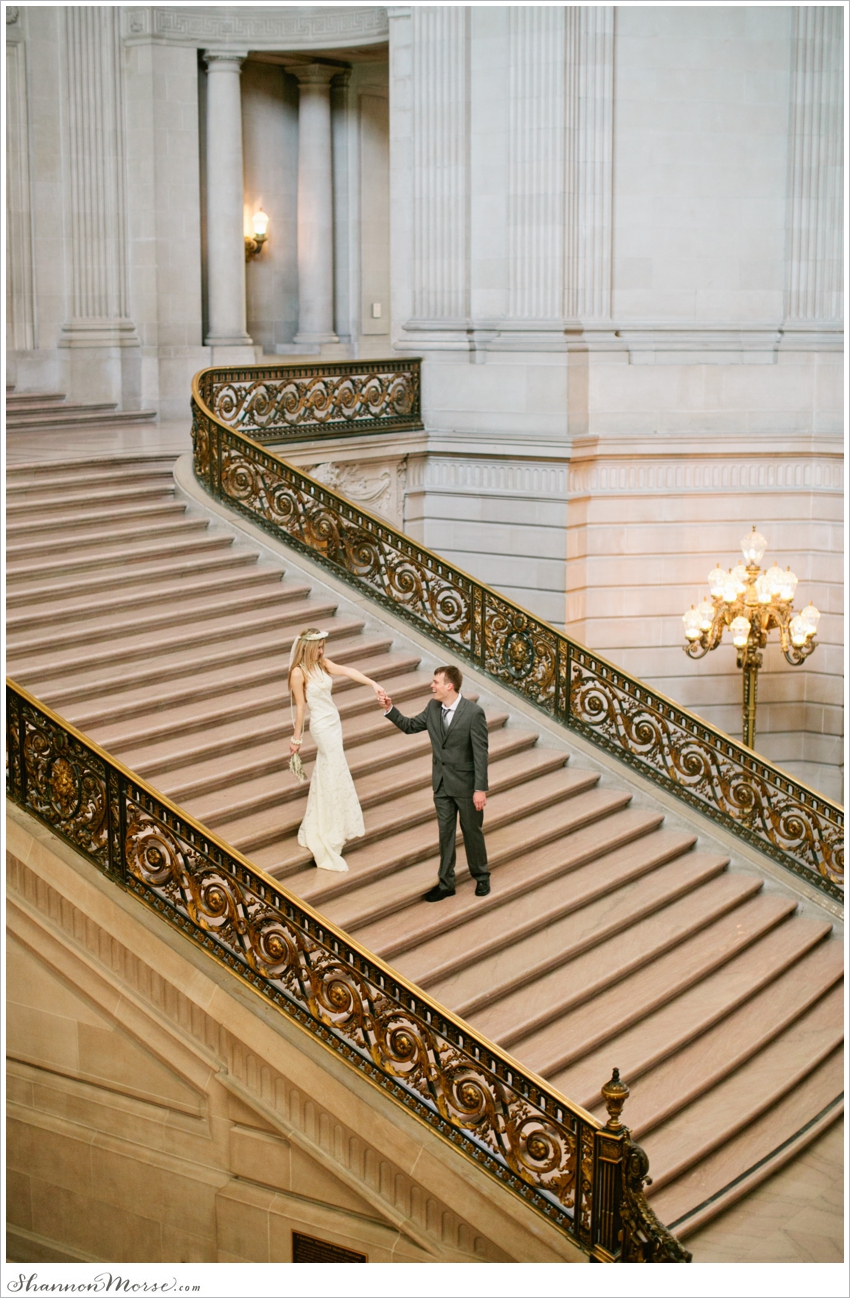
[331,399]
[554,1155]
[700,765]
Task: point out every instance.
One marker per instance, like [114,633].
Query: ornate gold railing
[700,765]
[553,1154]
[341,399]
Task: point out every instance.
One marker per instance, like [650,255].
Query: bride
[333,812]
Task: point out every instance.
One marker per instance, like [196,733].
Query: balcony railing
[584,1178]
[342,399]
[703,767]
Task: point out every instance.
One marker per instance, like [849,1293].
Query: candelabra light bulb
[716,578]
[706,614]
[800,631]
[261,224]
[811,616]
[691,620]
[788,585]
[753,547]
[740,629]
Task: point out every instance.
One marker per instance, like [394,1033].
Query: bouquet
[296,766]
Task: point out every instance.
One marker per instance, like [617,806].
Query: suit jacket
[459,759]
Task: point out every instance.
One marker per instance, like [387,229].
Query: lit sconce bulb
[788,585]
[763,591]
[706,614]
[716,578]
[740,629]
[691,620]
[260,224]
[811,617]
[800,631]
[753,547]
[774,577]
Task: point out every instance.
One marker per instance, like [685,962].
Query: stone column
[315,207]
[815,269]
[225,201]
[104,355]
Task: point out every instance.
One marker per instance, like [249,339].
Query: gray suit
[459,769]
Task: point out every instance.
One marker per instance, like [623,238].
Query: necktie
[444,719]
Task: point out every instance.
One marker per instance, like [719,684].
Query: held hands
[479,800]
[383,698]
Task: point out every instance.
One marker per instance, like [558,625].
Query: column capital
[215,59]
[316,74]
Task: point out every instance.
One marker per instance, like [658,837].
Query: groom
[457,729]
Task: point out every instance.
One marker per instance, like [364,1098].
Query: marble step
[208,626]
[208,775]
[381,869]
[390,808]
[60,689]
[155,698]
[181,567]
[77,521]
[751,969]
[376,771]
[201,726]
[89,543]
[70,607]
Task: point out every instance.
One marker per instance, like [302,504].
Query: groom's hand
[384,700]
[479,800]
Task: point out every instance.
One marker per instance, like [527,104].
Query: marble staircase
[609,937]
[38,411]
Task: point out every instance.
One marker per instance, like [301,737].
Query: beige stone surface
[797,1215]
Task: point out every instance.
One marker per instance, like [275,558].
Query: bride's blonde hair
[306,653]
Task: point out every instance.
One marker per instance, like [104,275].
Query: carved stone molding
[495,477]
[304,27]
[723,476]
[380,487]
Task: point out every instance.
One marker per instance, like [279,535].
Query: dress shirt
[448,713]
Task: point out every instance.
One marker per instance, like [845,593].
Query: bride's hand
[294,746]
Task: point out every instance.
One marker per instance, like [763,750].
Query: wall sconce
[253,247]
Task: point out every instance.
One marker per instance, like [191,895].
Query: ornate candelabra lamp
[751,602]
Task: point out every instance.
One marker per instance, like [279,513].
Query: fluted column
[815,209]
[315,206]
[98,282]
[225,200]
[536,162]
[590,135]
[441,164]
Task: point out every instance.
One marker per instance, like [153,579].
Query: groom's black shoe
[438,893]
[482,888]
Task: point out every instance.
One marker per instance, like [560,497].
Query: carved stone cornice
[257,27]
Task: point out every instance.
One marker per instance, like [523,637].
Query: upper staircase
[37,411]
[608,938]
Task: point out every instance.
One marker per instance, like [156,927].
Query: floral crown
[313,635]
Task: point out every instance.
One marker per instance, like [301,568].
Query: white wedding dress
[333,812]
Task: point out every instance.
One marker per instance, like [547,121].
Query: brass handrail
[699,764]
[552,1153]
[317,399]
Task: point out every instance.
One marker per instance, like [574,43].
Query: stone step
[187,589]
[264,806]
[59,525]
[154,698]
[89,543]
[67,417]
[200,722]
[16,399]
[207,627]
[271,720]
[747,973]
[179,567]
[59,485]
[73,565]
[60,689]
